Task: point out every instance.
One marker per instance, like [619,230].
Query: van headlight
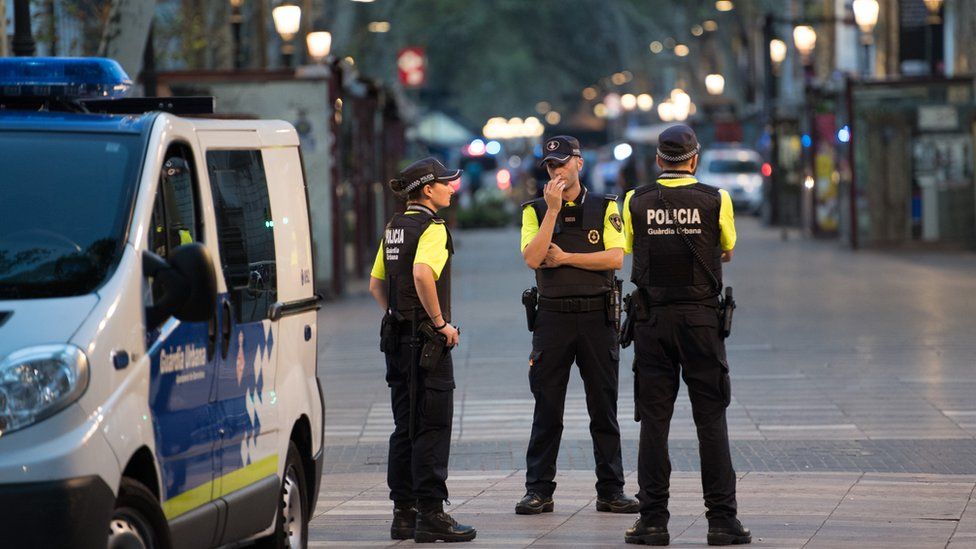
[38,382]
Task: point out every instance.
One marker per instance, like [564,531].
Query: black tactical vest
[579,229]
[399,249]
[663,264]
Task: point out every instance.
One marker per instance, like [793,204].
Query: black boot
[643,533]
[434,524]
[404,519]
[617,503]
[729,534]
[533,503]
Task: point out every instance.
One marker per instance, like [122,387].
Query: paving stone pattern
[853,420]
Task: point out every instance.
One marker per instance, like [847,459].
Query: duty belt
[573,304]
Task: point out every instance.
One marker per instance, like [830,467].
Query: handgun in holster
[435,345]
[727,307]
[390,332]
[638,310]
[530,299]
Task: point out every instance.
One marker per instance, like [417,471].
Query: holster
[390,333]
[435,345]
[726,308]
[637,310]
[530,299]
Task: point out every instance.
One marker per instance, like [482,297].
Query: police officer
[677,332]
[411,281]
[574,242]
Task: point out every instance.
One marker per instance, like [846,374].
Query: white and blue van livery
[158,337]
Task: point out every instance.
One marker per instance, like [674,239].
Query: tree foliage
[500,57]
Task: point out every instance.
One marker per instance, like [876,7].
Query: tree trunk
[125,33]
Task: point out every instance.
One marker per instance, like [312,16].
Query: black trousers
[559,340]
[683,339]
[417,469]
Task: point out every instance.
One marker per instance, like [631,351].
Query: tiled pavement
[853,420]
[814,510]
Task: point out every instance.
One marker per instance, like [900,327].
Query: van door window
[174,218]
[245,231]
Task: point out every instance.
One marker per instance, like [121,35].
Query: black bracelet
[438,328]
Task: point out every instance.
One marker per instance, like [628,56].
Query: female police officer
[414,260]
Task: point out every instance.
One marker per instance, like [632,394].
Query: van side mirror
[186,284]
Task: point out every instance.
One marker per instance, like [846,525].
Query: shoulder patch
[617,222]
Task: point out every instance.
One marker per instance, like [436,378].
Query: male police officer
[677,331]
[574,242]
[415,261]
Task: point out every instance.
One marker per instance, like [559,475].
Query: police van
[157,319]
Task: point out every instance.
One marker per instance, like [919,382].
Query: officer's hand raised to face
[554,193]
[452,334]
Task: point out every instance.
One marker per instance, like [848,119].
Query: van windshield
[64,205]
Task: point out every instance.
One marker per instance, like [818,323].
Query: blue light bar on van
[63,77]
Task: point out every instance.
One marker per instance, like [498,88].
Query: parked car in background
[738,170]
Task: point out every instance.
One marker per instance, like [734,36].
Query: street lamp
[645,102]
[934,7]
[866,17]
[777,52]
[805,39]
[715,84]
[665,110]
[628,101]
[287,20]
[319,45]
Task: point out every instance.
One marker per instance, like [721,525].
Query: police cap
[678,143]
[559,148]
[425,170]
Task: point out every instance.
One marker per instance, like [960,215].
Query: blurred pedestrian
[411,281]
[680,231]
[574,242]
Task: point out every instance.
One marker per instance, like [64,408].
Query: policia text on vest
[574,242]
[411,281]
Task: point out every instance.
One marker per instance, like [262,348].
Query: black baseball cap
[426,170]
[559,148]
[678,143]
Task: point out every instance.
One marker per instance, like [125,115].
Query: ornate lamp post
[934,19]
[287,20]
[866,17]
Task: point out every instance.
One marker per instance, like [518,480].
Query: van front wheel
[137,521]
[291,518]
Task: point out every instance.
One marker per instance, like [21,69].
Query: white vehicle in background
[736,169]
[157,319]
